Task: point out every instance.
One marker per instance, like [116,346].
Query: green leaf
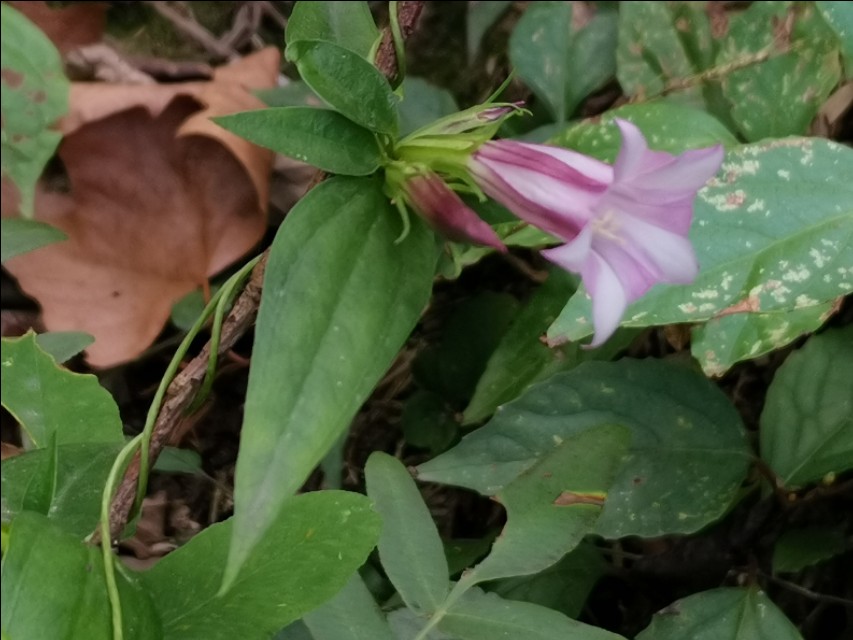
[539,50]
[592,57]
[50,401]
[520,358]
[422,104]
[63,345]
[781,95]
[350,615]
[53,586]
[553,504]
[64,483]
[314,545]
[407,625]
[452,367]
[18,235]
[294,94]
[461,553]
[673,128]
[294,631]
[687,459]
[186,311]
[743,336]
[807,422]
[839,16]
[347,24]
[481,16]
[320,137]
[428,422]
[652,52]
[341,299]
[173,460]
[562,67]
[487,616]
[773,232]
[346,82]
[800,548]
[722,614]
[409,547]
[563,587]
[34,97]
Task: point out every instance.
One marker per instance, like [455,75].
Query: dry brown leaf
[160,199]
[68,27]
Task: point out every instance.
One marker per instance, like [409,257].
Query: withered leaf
[158,199]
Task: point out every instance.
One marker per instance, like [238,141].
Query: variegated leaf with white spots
[773,232]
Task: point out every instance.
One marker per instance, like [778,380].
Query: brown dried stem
[183,389]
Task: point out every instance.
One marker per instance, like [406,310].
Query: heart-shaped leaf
[51,402]
[687,444]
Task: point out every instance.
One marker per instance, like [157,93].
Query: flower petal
[657,170]
[535,184]
[447,214]
[642,255]
[573,255]
[609,299]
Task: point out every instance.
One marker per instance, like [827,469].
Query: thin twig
[808,593]
[183,389]
[188,25]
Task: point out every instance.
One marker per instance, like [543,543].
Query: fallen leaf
[67,27]
[158,199]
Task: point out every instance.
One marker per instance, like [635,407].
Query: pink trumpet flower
[624,226]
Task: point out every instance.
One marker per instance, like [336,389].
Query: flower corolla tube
[624,227]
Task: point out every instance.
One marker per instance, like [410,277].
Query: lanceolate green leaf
[350,615]
[346,82]
[410,549]
[53,587]
[347,24]
[687,459]
[18,235]
[320,137]
[50,401]
[340,299]
[313,547]
[34,97]
[772,232]
[800,548]
[64,483]
[807,422]
[481,16]
[487,616]
[722,614]
[539,51]
[560,65]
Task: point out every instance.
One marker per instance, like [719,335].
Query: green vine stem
[226,292]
